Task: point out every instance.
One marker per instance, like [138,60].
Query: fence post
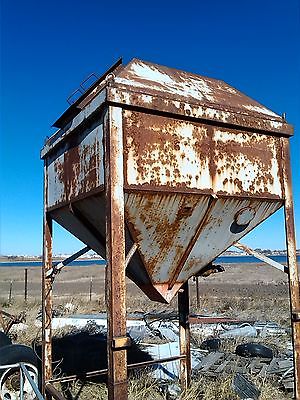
[10,292]
[91,288]
[25,284]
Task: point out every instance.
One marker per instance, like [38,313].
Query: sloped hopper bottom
[177,234]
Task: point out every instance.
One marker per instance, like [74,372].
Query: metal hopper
[159,171]
[202,167]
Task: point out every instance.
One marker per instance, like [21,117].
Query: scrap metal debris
[8,320]
[158,334]
[244,388]
[216,363]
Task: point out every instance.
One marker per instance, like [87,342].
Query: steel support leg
[197,293]
[184,336]
[115,254]
[292,263]
[47,304]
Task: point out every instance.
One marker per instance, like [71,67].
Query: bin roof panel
[162,89]
[148,78]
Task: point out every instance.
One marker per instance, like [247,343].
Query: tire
[254,350]
[4,339]
[213,344]
[10,377]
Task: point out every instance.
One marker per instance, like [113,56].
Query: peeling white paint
[146,76]
[146,98]
[216,237]
[153,217]
[186,166]
[247,172]
[276,188]
[259,109]
[276,124]
[150,73]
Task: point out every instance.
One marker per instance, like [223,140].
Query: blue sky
[49,47]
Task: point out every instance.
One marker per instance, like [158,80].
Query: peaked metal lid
[162,89]
[145,77]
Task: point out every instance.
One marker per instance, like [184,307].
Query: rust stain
[166,89]
[292,260]
[206,167]
[170,156]
[143,77]
[168,221]
[76,172]
[162,151]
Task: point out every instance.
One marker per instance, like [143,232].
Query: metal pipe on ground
[52,391]
[100,372]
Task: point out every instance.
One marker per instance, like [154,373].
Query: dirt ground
[245,291]
[238,279]
[255,279]
[258,288]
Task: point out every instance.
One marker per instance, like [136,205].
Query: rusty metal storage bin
[187,163]
[202,167]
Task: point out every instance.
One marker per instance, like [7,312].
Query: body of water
[86,263]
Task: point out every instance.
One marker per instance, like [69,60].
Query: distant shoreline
[227,259]
[20,259]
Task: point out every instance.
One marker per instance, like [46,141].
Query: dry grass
[240,303]
[147,388]
[248,308]
[85,391]
[269,391]
[218,389]
[143,388]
